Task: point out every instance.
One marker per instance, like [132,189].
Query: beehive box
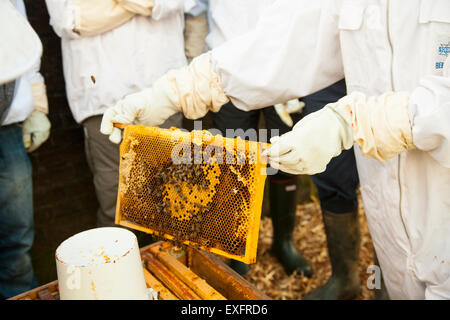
[194,188]
[178,274]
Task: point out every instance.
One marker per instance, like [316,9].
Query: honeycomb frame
[193,188]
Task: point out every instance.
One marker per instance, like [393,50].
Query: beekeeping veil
[20,48]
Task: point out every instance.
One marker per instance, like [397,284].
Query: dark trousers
[337,185]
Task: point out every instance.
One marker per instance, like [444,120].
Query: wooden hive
[178,274]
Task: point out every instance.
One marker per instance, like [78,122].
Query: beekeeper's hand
[193,90]
[141,7]
[36,130]
[284,110]
[379,125]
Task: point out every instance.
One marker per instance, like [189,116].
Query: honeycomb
[192,188]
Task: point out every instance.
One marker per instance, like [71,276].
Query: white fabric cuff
[40,97]
[381,125]
[196,88]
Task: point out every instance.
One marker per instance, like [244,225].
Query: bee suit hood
[20,47]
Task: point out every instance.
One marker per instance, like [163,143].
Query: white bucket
[101,264]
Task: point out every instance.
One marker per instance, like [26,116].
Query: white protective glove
[36,130]
[141,7]
[99,16]
[379,125]
[284,110]
[193,90]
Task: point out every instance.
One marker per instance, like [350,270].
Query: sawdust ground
[268,275]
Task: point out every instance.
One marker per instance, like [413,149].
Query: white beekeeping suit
[232,18]
[116,49]
[395,61]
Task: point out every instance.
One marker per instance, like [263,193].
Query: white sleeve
[165,8]
[429,112]
[62,17]
[34,75]
[293,51]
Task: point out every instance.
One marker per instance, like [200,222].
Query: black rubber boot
[239,267]
[343,239]
[283,205]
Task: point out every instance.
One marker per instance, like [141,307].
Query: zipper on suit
[393,89]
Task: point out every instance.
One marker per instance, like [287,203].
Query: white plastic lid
[96,246]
